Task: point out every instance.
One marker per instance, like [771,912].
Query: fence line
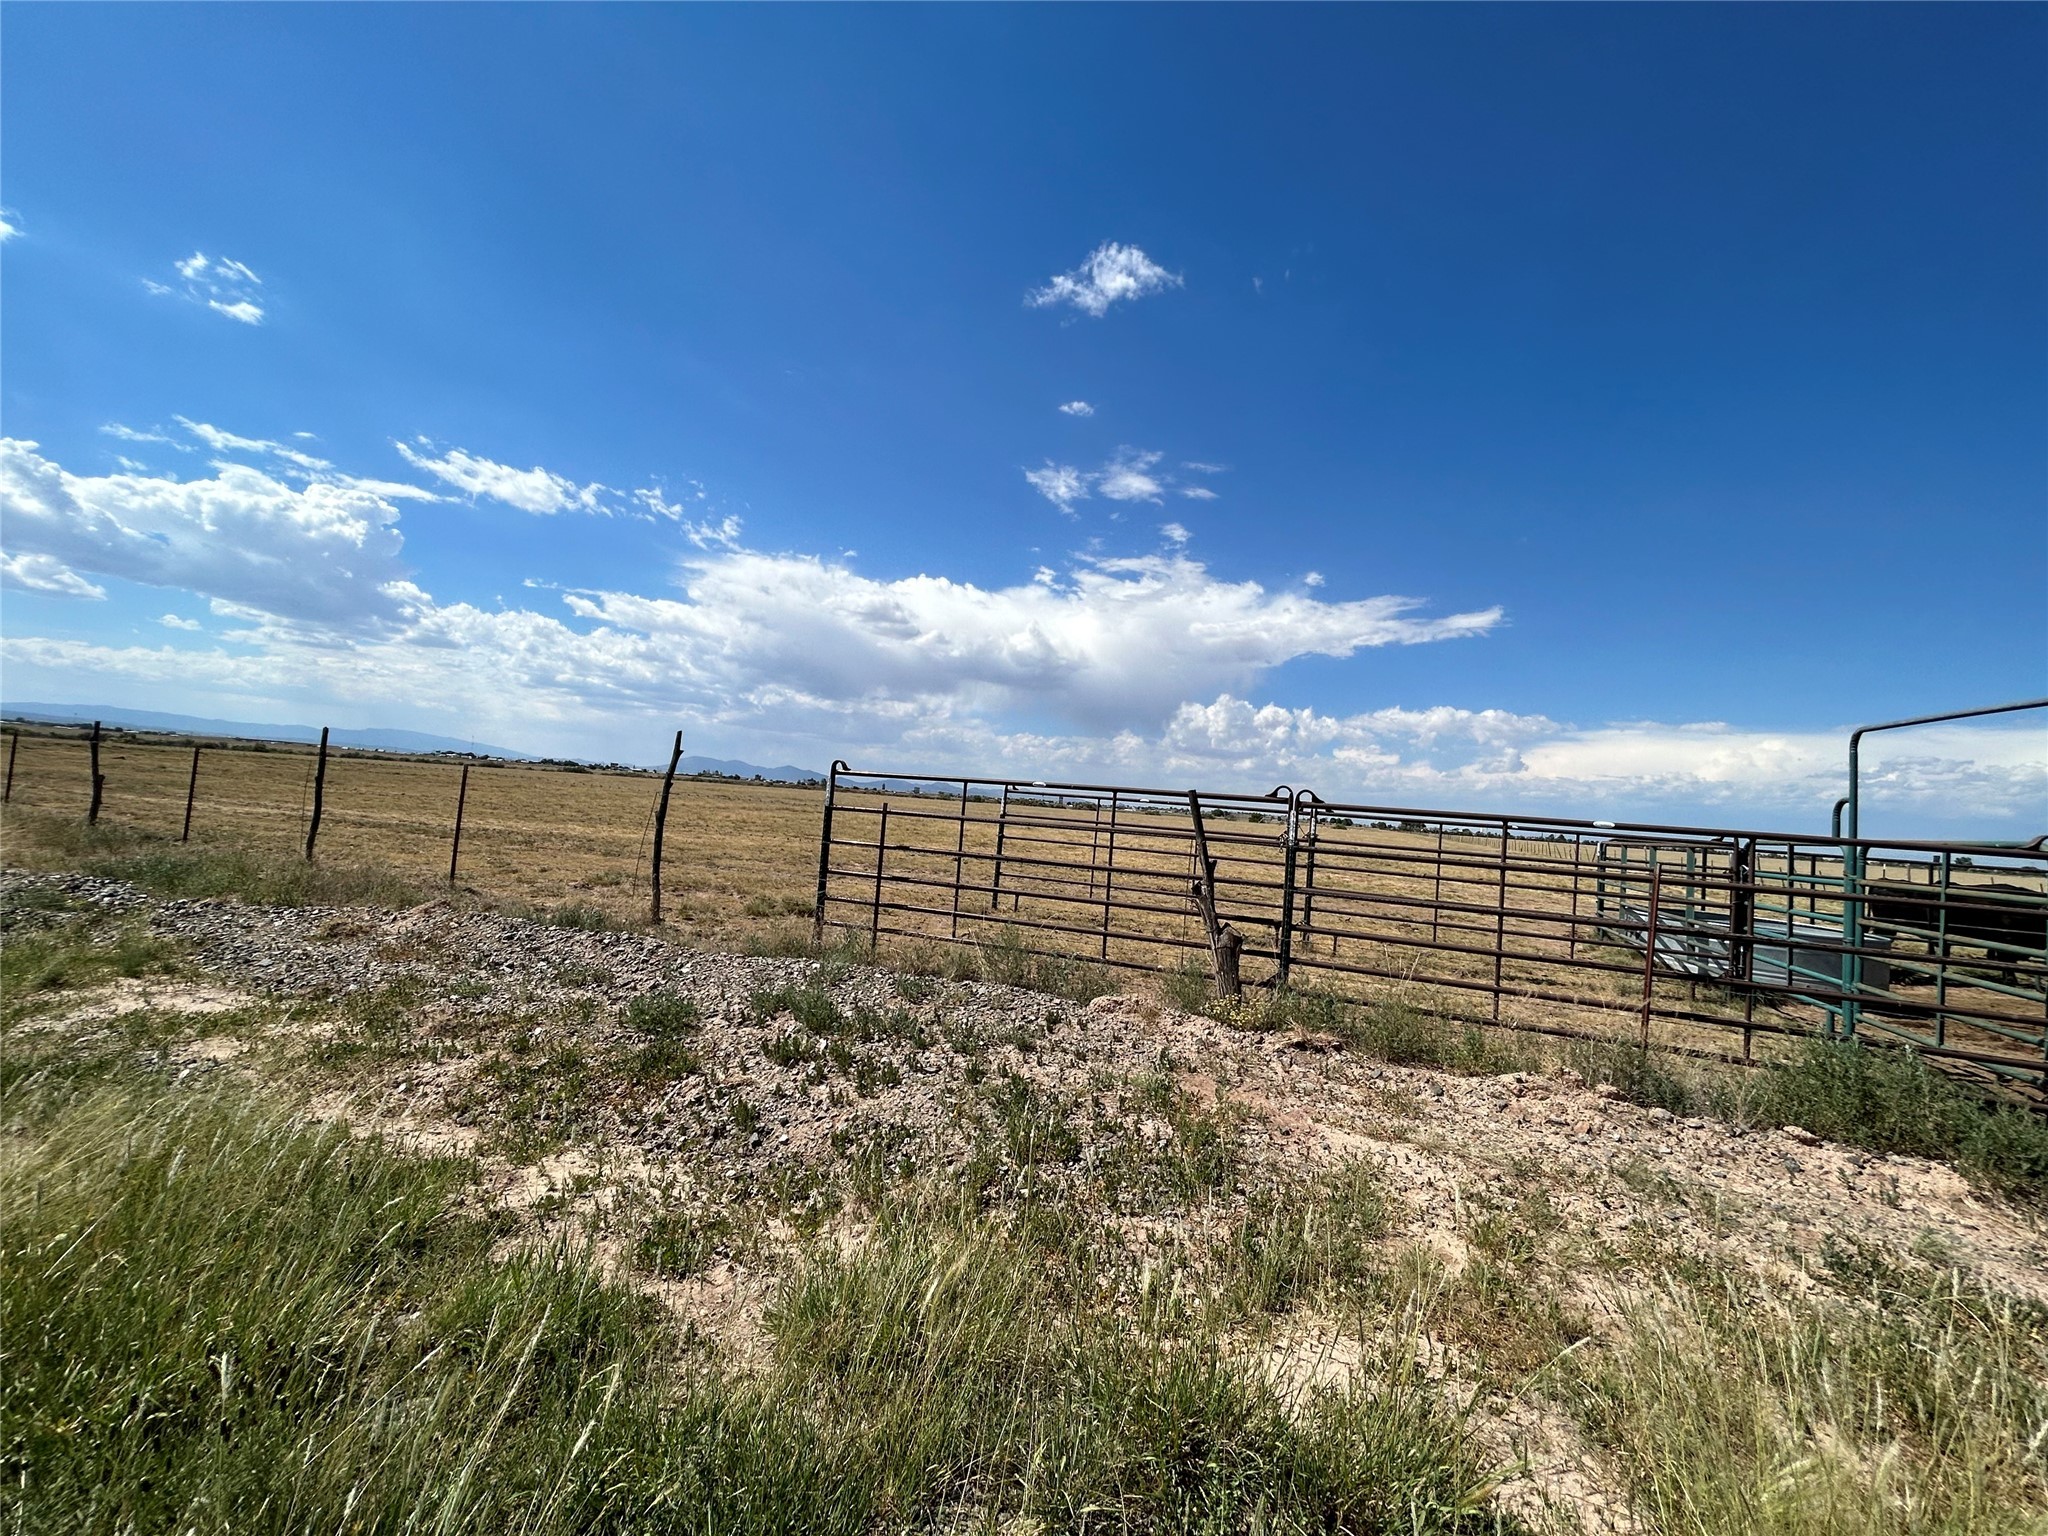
[1702,938]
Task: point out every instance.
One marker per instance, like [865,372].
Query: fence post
[1225,944]
[1109,874]
[1572,928]
[461,800]
[99,783]
[660,823]
[1650,952]
[825,851]
[1500,920]
[959,854]
[191,790]
[1289,855]
[995,885]
[319,793]
[13,746]
[881,853]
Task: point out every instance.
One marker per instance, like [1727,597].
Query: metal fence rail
[1696,938]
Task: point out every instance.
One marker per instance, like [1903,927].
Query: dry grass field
[1456,923]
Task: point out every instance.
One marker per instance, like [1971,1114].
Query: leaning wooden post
[319,794]
[1225,943]
[668,783]
[461,800]
[13,746]
[191,789]
[99,783]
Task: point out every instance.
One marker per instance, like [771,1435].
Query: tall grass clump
[1921,1412]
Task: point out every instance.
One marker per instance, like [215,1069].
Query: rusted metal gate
[1697,938]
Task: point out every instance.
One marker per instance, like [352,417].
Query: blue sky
[1590,409]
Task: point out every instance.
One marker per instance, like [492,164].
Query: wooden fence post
[99,783]
[191,789]
[319,794]
[660,824]
[461,800]
[13,746]
[1225,943]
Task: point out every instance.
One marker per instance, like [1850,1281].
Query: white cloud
[1130,475]
[323,553]
[1312,579]
[1111,272]
[135,435]
[44,573]
[172,621]
[535,490]
[1077,408]
[806,658]
[224,285]
[1127,477]
[9,225]
[223,441]
[1196,466]
[724,534]
[1060,484]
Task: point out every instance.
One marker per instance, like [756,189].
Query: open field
[325,1217]
[1508,927]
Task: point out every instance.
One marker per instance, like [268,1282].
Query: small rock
[1606,1091]
[1800,1134]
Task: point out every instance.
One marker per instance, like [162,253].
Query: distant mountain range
[375,740]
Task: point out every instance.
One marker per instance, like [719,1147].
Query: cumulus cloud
[1077,408]
[1144,669]
[1112,273]
[319,553]
[536,490]
[223,285]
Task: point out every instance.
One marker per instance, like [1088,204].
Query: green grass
[173,870]
[1920,1410]
[1890,1100]
[218,1318]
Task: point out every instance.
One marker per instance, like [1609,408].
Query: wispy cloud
[1132,474]
[10,225]
[1077,408]
[138,435]
[224,285]
[222,441]
[1128,477]
[1112,273]
[1060,484]
[724,534]
[536,490]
